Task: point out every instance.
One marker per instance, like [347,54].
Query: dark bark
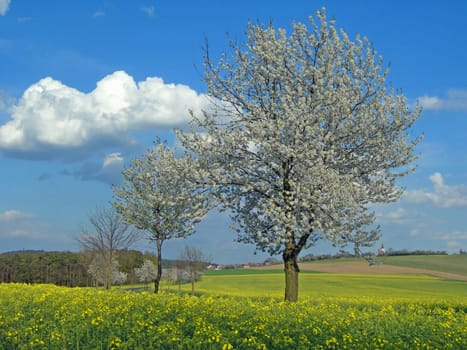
[291,275]
[291,269]
[159,266]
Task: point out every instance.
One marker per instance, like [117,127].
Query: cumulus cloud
[4,4]
[455,100]
[52,117]
[442,195]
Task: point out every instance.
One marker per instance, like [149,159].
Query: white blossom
[147,272]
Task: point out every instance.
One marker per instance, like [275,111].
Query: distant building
[381,250]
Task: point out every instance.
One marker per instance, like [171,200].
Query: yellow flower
[115,343]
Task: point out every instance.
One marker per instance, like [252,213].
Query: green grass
[445,263]
[271,284]
[236,272]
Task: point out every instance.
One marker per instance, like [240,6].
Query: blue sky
[87,85]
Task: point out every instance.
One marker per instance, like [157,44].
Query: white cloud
[149,10]
[111,170]
[429,102]
[455,100]
[112,160]
[13,215]
[98,14]
[51,116]
[4,4]
[442,195]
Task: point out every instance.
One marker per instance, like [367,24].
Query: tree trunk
[108,276]
[291,276]
[192,283]
[108,257]
[159,266]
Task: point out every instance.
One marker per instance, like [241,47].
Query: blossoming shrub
[50,317]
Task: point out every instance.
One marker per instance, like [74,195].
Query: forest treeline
[65,268]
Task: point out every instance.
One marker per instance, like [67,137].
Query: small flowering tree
[146,273]
[102,274]
[303,135]
[156,197]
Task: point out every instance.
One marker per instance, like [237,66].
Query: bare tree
[107,234]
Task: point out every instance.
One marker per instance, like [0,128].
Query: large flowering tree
[302,136]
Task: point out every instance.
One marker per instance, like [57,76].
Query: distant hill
[444,263]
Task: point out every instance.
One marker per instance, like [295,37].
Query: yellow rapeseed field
[50,317]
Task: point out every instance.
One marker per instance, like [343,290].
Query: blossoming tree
[303,135]
[156,197]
